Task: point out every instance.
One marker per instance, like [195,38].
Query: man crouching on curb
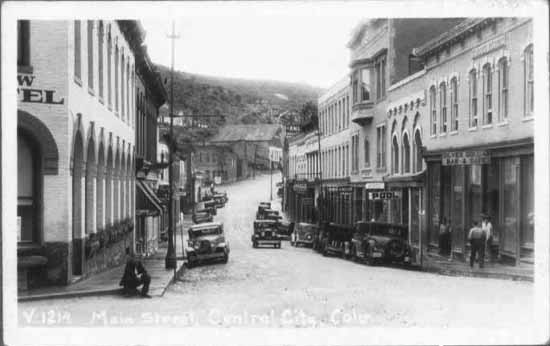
[131,280]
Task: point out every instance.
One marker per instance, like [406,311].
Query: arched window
[109,68]
[100,58]
[395,155]
[529,100]
[443,106]
[487,94]
[418,151]
[406,153]
[433,112]
[77,51]
[503,89]
[454,104]
[473,97]
[91,54]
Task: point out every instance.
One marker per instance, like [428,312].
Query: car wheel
[225,259]
[190,264]
[254,244]
[368,256]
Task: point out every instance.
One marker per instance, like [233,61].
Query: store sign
[374,186]
[345,189]
[385,195]
[32,95]
[489,46]
[300,188]
[217,180]
[472,157]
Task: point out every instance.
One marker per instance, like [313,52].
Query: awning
[149,195]
[412,180]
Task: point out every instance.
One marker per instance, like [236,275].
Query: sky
[300,42]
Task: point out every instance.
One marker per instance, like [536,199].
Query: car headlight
[221,245]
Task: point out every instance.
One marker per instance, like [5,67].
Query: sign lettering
[456,158]
[385,195]
[33,95]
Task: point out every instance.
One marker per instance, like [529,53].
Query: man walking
[477,238]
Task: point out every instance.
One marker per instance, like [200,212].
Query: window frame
[366,152]
[443,108]
[528,75]
[454,104]
[24,46]
[78,51]
[473,89]
[90,52]
[433,111]
[487,94]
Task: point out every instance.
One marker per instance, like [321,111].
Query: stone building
[478,133]
[76,144]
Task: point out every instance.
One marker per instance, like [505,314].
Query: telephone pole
[170,260]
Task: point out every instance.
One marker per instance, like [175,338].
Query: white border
[399,8]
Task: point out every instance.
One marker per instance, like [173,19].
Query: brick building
[479,133]
[76,130]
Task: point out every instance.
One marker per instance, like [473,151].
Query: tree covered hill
[242,101]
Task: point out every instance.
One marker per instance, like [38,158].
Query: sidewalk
[435,263]
[106,283]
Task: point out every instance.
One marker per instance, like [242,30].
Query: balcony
[362,113]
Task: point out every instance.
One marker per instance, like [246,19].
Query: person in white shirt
[487,226]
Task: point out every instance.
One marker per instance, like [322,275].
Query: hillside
[242,101]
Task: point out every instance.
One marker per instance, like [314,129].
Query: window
[91,54]
[355,153]
[109,53]
[381,146]
[406,154]
[23,43]
[418,147]
[433,112]
[355,87]
[488,94]
[365,85]
[395,155]
[77,50]
[100,58]
[529,102]
[122,109]
[473,97]
[380,70]
[116,79]
[503,89]
[454,104]
[443,105]
[366,148]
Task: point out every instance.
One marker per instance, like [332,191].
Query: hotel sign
[29,94]
[459,158]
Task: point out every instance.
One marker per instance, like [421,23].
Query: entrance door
[28,197]
[510,215]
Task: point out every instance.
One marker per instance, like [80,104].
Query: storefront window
[365,85]
[510,201]
[491,195]
[435,200]
[358,201]
[527,203]
[474,195]
[415,216]
[456,220]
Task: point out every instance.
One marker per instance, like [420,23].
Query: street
[296,287]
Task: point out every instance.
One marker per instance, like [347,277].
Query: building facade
[218,163]
[479,133]
[76,145]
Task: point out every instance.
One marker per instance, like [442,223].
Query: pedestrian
[442,236]
[477,238]
[134,276]
[487,226]
[448,242]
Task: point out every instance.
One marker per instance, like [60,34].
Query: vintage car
[265,233]
[206,242]
[206,206]
[336,240]
[381,242]
[285,229]
[201,217]
[304,234]
[220,199]
[263,213]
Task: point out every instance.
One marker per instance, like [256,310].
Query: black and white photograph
[275,172]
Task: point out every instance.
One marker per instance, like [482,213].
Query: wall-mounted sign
[385,195]
[31,95]
[489,46]
[374,186]
[345,188]
[300,188]
[217,180]
[471,157]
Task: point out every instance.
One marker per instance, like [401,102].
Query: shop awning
[149,195]
[411,180]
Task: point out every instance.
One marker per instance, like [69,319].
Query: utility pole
[170,260]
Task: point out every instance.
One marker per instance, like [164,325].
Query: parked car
[381,242]
[220,199]
[336,240]
[202,216]
[304,234]
[206,242]
[263,210]
[265,233]
[204,207]
[285,229]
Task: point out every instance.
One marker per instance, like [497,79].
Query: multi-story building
[478,132]
[151,213]
[76,145]
[218,163]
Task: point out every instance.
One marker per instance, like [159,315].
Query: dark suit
[131,281]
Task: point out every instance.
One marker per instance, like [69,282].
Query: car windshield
[388,231]
[195,233]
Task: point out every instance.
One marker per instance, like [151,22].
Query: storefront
[495,180]
[301,201]
[339,202]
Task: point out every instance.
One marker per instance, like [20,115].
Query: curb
[75,294]
[487,275]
